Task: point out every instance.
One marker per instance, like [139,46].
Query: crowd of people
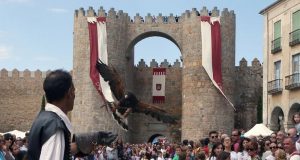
[218,146]
[50,138]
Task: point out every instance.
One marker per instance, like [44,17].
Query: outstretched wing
[110,75]
[121,120]
[155,112]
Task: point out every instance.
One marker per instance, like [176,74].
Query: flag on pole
[211,51]
[158,85]
[98,50]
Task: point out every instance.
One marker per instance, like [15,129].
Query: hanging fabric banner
[158,86]
[211,51]
[98,50]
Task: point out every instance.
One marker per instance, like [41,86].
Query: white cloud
[58,10]
[5,52]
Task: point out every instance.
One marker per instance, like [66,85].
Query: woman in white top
[216,150]
[228,148]
[243,154]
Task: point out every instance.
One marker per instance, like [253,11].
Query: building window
[276,43]
[296,65]
[277,73]
[293,80]
[295,34]
[275,86]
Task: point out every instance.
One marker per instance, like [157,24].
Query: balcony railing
[292,81]
[275,86]
[295,37]
[276,45]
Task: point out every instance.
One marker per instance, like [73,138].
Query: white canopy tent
[259,130]
[17,133]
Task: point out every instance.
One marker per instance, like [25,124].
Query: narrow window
[295,34]
[276,43]
[277,73]
[296,20]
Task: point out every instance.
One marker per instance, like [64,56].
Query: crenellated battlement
[154,63]
[112,14]
[249,71]
[254,64]
[23,74]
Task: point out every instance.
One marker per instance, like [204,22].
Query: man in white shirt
[50,134]
[290,149]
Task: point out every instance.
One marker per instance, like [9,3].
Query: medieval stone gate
[192,95]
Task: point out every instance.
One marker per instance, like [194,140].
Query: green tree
[43,103]
[259,110]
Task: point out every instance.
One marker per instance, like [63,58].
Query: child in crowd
[296,120]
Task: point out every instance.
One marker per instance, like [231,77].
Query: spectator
[280,154]
[178,152]
[273,148]
[273,137]
[267,150]
[290,149]
[235,139]
[243,153]
[292,132]
[213,138]
[252,148]
[216,150]
[280,136]
[296,120]
[224,156]
[228,148]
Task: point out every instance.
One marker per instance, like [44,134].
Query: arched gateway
[190,93]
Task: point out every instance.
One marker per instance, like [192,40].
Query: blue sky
[37,34]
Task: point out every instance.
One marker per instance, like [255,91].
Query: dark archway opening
[154,137]
[294,109]
[277,119]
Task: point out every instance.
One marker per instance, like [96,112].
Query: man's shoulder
[48,119]
[270,157]
[295,156]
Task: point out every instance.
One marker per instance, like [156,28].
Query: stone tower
[202,108]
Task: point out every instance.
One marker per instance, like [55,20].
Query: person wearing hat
[50,134]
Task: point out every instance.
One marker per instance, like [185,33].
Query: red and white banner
[158,85]
[98,50]
[211,51]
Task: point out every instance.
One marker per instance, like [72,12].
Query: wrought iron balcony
[275,86]
[292,81]
[276,45]
[295,37]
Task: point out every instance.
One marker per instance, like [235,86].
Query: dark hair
[8,136]
[223,156]
[204,142]
[241,147]
[213,154]
[57,84]
[185,142]
[236,130]
[297,113]
[201,155]
[191,143]
[212,132]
